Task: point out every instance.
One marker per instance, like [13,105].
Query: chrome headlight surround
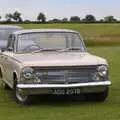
[101,74]
[28,75]
[103,71]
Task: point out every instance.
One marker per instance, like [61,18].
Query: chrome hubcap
[20,95]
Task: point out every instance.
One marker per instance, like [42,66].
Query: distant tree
[65,20]
[9,17]
[27,21]
[89,19]
[17,16]
[55,20]
[101,20]
[41,17]
[75,19]
[110,19]
[83,20]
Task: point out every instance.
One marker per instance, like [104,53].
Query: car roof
[43,30]
[9,26]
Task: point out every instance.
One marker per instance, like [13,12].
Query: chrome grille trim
[67,75]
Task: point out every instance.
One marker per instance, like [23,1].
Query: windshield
[5,32]
[50,41]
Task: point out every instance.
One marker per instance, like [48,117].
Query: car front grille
[64,75]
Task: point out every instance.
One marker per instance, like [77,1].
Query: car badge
[45,73]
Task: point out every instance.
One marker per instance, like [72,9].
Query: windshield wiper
[67,49]
[60,50]
[43,49]
[36,51]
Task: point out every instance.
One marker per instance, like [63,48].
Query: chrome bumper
[34,89]
[35,86]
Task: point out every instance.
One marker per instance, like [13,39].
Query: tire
[101,96]
[20,97]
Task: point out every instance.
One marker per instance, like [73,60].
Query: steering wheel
[32,47]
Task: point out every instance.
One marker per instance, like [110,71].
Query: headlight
[28,75]
[103,71]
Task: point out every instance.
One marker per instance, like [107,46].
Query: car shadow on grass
[54,100]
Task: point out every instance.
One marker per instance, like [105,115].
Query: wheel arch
[15,76]
[1,72]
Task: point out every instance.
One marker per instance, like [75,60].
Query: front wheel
[19,95]
[101,96]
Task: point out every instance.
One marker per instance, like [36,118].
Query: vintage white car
[52,61]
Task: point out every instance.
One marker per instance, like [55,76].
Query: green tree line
[42,18]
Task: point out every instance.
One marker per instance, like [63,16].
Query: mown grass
[94,34]
[67,109]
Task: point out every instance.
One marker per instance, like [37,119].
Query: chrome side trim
[92,84]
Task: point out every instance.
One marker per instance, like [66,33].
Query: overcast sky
[61,8]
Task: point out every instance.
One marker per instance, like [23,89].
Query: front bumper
[48,88]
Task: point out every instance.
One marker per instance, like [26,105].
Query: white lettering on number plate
[70,91]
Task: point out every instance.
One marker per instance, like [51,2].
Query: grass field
[70,110]
[94,34]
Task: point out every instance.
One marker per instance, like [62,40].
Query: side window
[10,44]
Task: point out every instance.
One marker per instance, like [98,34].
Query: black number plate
[68,91]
